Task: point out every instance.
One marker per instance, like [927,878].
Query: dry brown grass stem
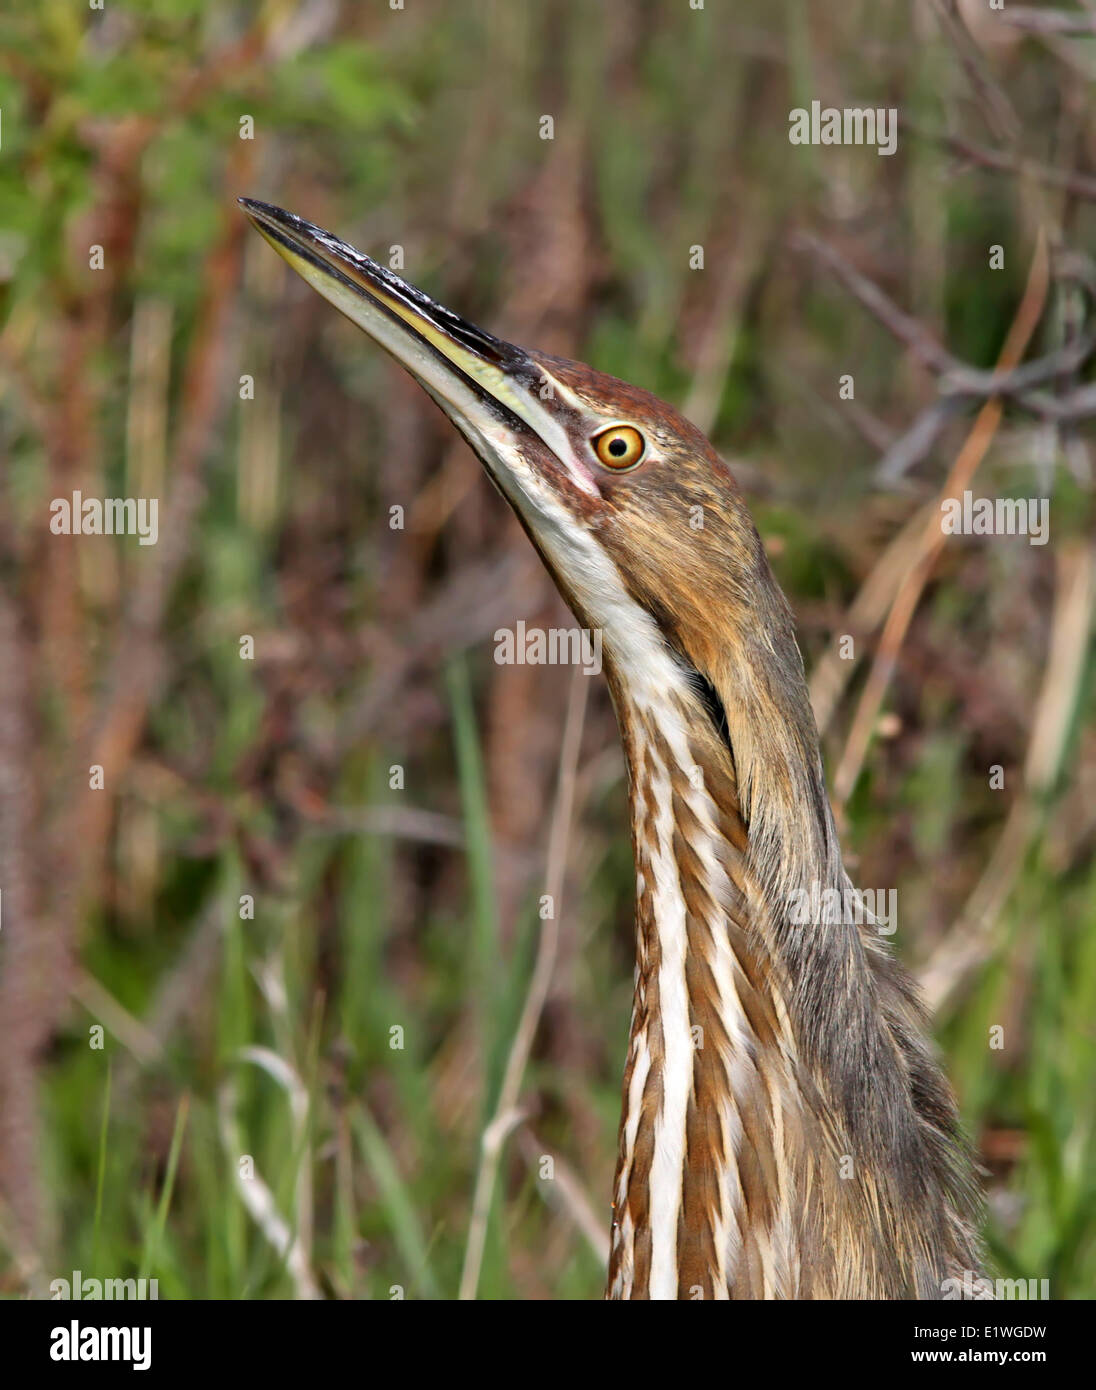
[566,1192]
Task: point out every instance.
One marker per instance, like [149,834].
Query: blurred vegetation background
[248,909]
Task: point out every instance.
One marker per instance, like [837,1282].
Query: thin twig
[995,105]
[565,1191]
[1000,162]
[1077,405]
[399,822]
[142,1045]
[907,330]
[957,378]
[910,448]
[969,381]
[962,382]
[1034,21]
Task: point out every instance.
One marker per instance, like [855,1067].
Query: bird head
[624,498]
[636,516]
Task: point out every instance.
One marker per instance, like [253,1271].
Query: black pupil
[617,447]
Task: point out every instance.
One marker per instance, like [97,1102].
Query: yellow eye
[620,446]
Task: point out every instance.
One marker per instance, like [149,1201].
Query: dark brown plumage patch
[719,782]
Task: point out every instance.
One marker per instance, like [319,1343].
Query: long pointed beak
[448,355]
[491,390]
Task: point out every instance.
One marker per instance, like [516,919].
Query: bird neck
[763,1055]
[704,1004]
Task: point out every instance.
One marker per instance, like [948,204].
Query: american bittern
[786,1131]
